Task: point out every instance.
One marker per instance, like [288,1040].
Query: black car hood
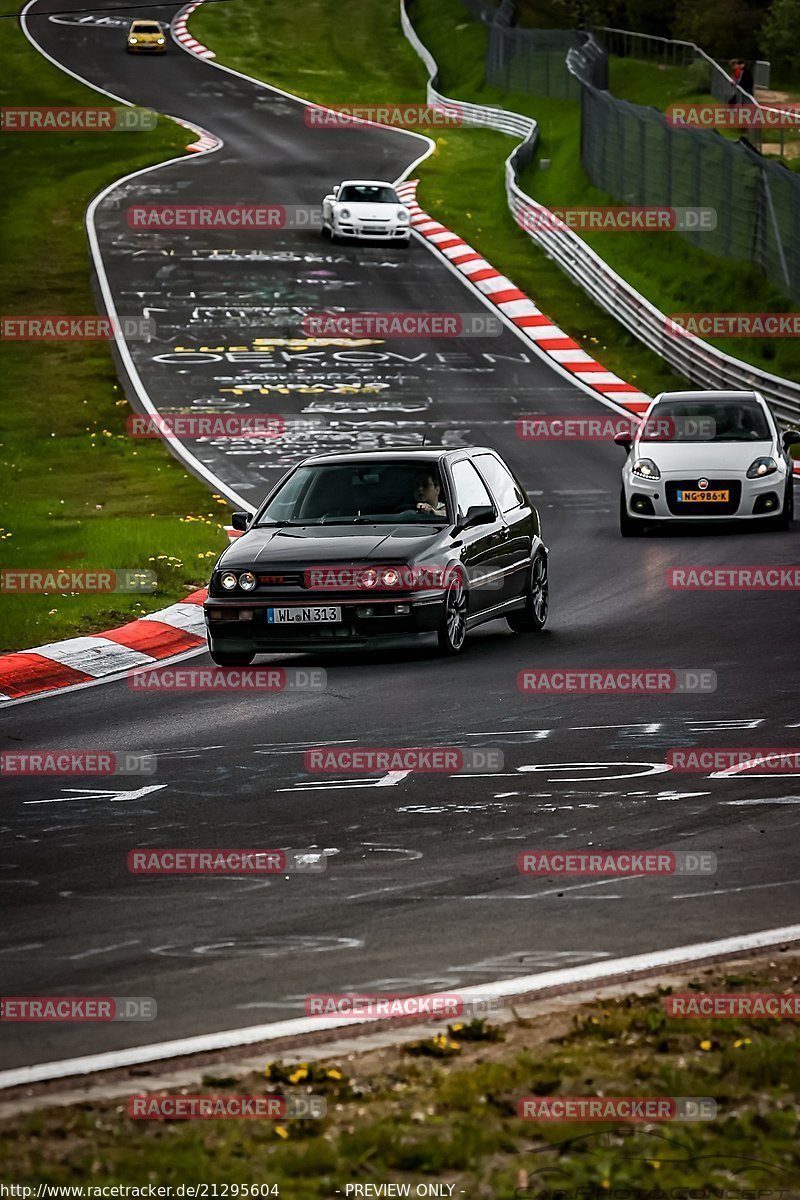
[329,543]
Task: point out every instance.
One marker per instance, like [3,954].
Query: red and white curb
[182,35]
[520,309]
[205,141]
[160,635]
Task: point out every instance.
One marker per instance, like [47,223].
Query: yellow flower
[654,1163]
[456,1027]
[334,1074]
[705,1044]
[742,1042]
[281,1132]
[300,1073]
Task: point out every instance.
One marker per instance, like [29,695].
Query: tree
[780,38]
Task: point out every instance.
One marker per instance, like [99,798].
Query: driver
[428,495]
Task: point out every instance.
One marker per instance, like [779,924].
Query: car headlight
[344,213]
[390,577]
[761,467]
[645,468]
[402,216]
[369,578]
[160,41]
[132,41]
[228,580]
[247,581]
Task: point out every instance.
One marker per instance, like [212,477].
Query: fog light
[365,610]
[402,609]
[246,614]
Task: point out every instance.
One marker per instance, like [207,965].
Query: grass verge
[445,1111]
[673,275]
[78,493]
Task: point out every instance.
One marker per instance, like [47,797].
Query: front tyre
[784,521]
[533,617]
[452,630]
[228,658]
[628,525]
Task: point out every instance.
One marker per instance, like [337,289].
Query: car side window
[470,489]
[502,483]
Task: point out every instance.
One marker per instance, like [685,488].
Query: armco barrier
[691,357]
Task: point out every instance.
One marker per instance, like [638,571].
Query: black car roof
[423,453]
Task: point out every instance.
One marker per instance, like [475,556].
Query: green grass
[664,267]
[77,492]
[463,184]
[445,1111]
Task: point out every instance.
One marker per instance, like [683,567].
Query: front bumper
[388,233]
[240,625]
[147,48]
[751,499]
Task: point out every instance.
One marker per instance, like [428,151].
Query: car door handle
[505,533]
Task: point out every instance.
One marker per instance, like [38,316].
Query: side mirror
[625,440]
[240,520]
[479,514]
[335,189]
[791,437]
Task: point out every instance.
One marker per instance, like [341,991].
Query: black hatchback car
[349,550]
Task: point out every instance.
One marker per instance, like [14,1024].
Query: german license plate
[720,497]
[303,616]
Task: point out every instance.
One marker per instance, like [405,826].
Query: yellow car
[147,37]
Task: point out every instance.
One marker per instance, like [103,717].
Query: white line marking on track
[574,977]
[746,887]
[102,950]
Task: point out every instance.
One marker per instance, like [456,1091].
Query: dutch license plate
[720,497]
[303,616]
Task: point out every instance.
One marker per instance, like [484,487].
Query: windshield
[360,493]
[728,421]
[145,27]
[368,192]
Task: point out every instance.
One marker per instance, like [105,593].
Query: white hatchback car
[700,456]
[365,208]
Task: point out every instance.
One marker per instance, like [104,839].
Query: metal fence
[691,357]
[535,60]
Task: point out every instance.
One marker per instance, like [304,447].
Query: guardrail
[691,357]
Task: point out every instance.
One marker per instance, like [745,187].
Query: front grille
[279,579]
[704,509]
